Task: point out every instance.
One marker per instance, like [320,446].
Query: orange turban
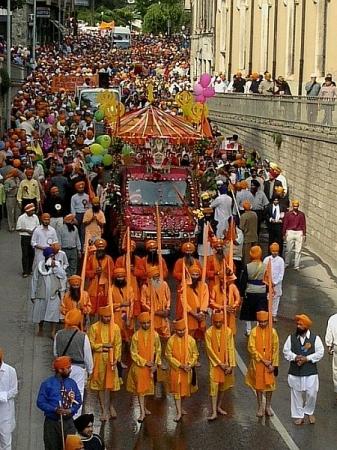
[95,201]
[150,245]
[100,244]
[73,318]
[104,311]
[244,184]
[153,272]
[69,218]
[16,163]
[119,272]
[29,207]
[218,317]
[262,316]
[79,185]
[144,317]
[75,280]
[188,247]
[274,247]
[295,203]
[62,362]
[73,442]
[179,324]
[303,320]
[246,205]
[216,243]
[45,216]
[255,253]
[194,269]
[278,189]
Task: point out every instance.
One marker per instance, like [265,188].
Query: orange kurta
[98,283]
[123,315]
[120,263]
[84,303]
[214,271]
[218,299]
[197,301]
[162,300]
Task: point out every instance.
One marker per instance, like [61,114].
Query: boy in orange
[182,357]
[263,362]
[74,298]
[145,361]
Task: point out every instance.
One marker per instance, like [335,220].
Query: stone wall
[310,165]
[20,31]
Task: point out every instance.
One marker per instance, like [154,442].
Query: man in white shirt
[25,225]
[223,211]
[277,270]
[43,236]
[331,343]
[8,391]
[303,349]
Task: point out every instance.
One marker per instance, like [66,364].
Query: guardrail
[302,113]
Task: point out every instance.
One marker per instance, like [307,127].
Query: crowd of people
[126,315]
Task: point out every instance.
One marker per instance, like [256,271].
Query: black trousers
[27,254]
[52,435]
[275,235]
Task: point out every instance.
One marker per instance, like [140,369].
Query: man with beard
[75,298]
[188,249]
[275,213]
[46,290]
[55,206]
[79,203]
[99,268]
[29,190]
[84,425]
[43,236]
[259,202]
[123,301]
[94,221]
[73,342]
[221,362]
[145,361]
[277,271]
[60,399]
[215,264]
[303,349]
[70,243]
[294,231]
[106,345]
[152,258]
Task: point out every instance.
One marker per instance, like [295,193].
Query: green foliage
[121,17]
[143,5]
[159,16]
[5,82]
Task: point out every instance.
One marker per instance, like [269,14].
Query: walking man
[26,224]
[294,232]
[277,270]
[8,392]
[70,243]
[303,349]
[43,236]
[331,343]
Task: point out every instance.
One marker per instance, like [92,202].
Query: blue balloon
[96,159]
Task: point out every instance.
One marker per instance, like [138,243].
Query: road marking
[274,419]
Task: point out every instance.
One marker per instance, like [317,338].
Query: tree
[164,17]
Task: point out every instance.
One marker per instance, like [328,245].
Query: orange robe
[123,315]
[98,283]
[197,301]
[214,271]
[147,266]
[84,303]
[162,300]
[218,299]
[120,263]
[178,268]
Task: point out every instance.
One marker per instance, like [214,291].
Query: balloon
[198,89]
[96,159]
[99,115]
[96,149]
[107,160]
[209,92]
[205,80]
[104,140]
[200,98]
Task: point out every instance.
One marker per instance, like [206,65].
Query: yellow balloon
[184,98]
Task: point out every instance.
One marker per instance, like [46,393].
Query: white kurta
[8,391]
[223,211]
[309,384]
[331,341]
[43,237]
[277,268]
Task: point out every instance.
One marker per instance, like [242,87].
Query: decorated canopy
[151,122]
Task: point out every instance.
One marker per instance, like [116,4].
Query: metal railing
[302,113]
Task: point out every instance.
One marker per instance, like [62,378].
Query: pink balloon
[200,98]
[198,89]
[205,80]
[209,92]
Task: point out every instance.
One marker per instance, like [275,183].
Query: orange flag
[268,280]
[224,337]
[184,282]
[160,256]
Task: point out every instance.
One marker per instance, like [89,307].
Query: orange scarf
[178,377]
[219,349]
[109,374]
[144,377]
[263,377]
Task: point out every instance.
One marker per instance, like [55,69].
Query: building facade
[291,38]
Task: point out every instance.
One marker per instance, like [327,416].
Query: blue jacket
[50,398]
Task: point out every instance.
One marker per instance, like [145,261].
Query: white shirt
[28,223]
[8,391]
[44,236]
[223,207]
[331,331]
[277,268]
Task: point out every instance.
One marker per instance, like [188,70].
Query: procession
[154,251]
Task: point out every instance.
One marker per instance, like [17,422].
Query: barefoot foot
[212,417]
[222,411]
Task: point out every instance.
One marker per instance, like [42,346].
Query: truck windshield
[162,192]
[89,98]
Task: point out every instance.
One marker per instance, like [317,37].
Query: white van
[121,37]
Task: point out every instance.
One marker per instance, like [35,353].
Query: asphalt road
[312,291]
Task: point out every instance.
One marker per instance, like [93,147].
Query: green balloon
[96,149]
[107,160]
[104,140]
[99,115]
